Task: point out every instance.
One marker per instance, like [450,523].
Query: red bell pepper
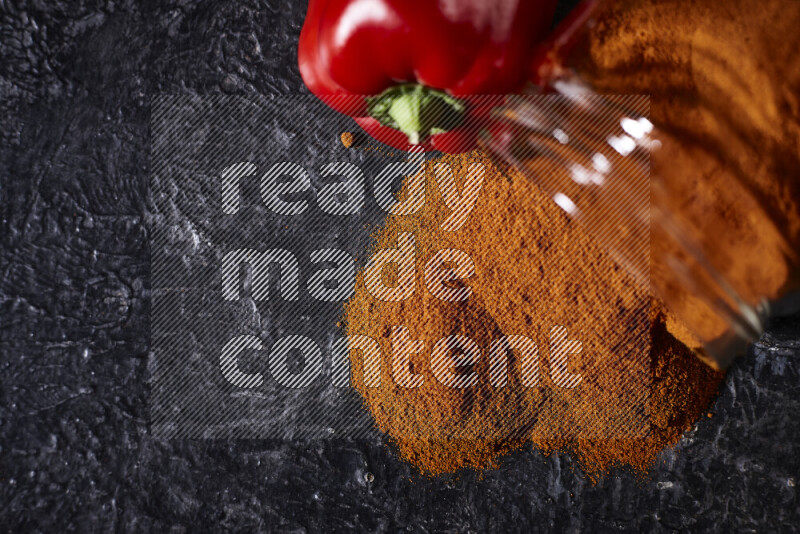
[408,70]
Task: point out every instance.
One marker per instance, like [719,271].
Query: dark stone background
[76,80]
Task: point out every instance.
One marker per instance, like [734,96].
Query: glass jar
[718,152]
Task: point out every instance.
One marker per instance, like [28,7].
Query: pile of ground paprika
[533,269]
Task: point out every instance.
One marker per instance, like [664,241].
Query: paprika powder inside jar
[722,136]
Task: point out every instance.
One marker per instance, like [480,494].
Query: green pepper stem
[417,111]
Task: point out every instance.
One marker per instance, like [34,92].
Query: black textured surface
[75,83]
